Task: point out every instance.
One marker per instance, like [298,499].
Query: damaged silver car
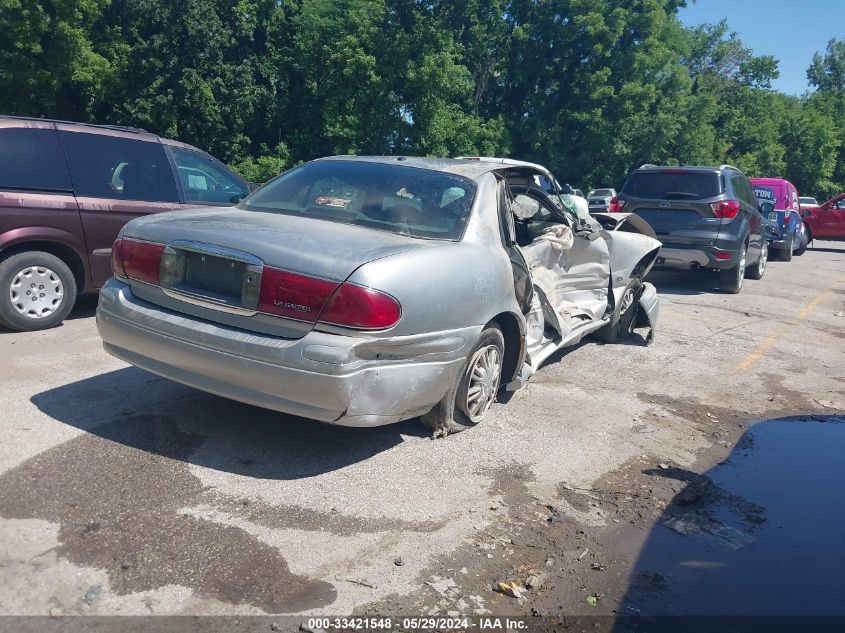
[364,291]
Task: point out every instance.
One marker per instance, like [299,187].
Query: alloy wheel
[485,370]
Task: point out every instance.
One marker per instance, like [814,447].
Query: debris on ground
[363,583]
[534,581]
[663,466]
[593,599]
[398,561]
[598,567]
[445,587]
[583,554]
[510,588]
[91,594]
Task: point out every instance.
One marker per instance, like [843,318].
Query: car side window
[840,204]
[203,180]
[104,166]
[743,190]
[31,159]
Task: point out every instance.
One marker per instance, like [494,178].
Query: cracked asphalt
[124,493]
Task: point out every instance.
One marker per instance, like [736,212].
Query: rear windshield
[400,199]
[770,192]
[672,185]
[603,192]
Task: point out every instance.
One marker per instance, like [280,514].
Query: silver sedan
[364,291]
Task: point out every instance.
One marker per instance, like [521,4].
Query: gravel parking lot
[123,493]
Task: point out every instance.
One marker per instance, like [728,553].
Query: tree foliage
[591,88]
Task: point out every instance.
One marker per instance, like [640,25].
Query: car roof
[118,128]
[466,167]
[699,168]
[770,181]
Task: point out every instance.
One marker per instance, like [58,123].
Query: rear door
[676,203]
[115,179]
[749,205]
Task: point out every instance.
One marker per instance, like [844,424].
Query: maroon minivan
[66,189]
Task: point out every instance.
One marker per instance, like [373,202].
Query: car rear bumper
[694,257]
[345,380]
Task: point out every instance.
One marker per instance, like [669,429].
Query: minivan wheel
[730,279]
[469,400]
[37,291]
[757,270]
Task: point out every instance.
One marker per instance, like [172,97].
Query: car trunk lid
[216,264]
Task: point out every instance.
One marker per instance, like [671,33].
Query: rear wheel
[37,291]
[757,270]
[469,400]
[802,247]
[786,251]
[730,279]
[621,323]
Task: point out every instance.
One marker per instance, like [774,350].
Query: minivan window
[114,167]
[203,180]
[672,185]
[405,200]
[31,159]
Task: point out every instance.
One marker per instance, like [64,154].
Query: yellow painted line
[758,352]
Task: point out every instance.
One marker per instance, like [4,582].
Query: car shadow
[683,282]
[759,534]
[232,437]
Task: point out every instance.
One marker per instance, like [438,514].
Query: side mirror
[237,198]
[766,207]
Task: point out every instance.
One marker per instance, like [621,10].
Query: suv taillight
[136,260]
[616,205]
[725,208]
[305,298]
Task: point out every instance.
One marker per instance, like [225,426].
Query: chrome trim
[207,302]
[216,251]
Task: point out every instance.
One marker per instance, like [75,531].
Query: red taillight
[294,296]
[722,256]
[786,219]
[359,307]
[138,260]
[616,205]
[117,259]
[725,208]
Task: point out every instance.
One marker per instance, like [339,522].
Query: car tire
[802,247]
[786,251]
[730,279]
[37,291]
[759,268]
[621,324]
[469,399]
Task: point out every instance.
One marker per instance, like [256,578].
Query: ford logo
[665,204]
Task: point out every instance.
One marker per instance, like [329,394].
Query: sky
[791,30]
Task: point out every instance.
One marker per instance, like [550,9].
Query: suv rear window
[400,199]
[672,185]
[31,159]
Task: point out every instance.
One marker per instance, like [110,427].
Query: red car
[827,221]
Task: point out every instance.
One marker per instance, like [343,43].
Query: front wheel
[621,323]
[757,270]
[38,291]
[730,279]
[469,400]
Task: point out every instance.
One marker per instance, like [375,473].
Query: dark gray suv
[706,217]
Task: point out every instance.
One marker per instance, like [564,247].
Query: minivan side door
[115,179]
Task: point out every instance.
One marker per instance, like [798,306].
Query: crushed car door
[570,266]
